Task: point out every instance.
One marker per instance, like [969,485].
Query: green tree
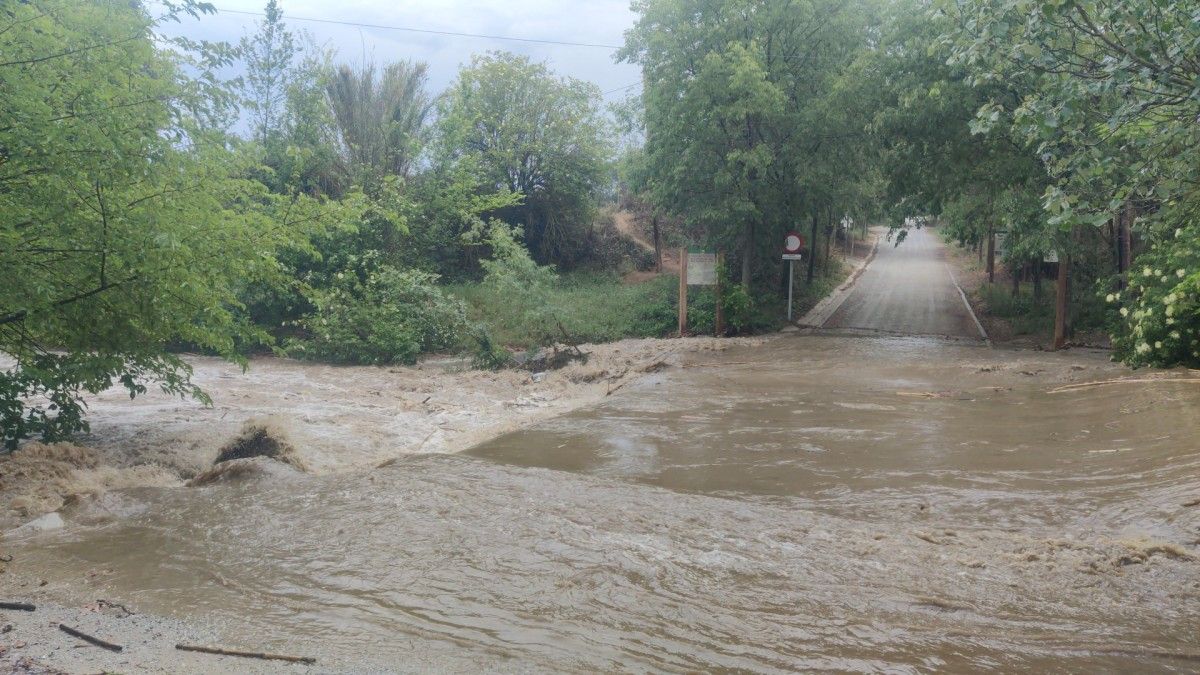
[380,119]
[1113,116]
[526,131]
[126,223]
[269,54]
[741,136]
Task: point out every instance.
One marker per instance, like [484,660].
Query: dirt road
[907,290]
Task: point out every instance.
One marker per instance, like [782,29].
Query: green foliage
[1026,314]
[745,134]
[62,379]
[1157,320]
[523,130]
[126,223]
[1111,112]
[390,316]
[488,354]
[379,115]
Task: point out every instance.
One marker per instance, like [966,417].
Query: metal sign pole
[791,274]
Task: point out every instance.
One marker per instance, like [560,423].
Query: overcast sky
[585,21]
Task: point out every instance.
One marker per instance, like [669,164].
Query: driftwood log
[245,654]
[22,606]
[90,638]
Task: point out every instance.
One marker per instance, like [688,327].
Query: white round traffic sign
[792,243]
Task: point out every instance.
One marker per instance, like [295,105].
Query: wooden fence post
[683,291]
[720,311]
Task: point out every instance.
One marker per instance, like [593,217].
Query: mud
[318,418]
[817,502]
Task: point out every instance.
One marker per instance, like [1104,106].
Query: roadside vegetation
[151,206]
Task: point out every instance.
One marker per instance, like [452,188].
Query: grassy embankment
[600,307]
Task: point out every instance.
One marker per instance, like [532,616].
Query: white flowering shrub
[1157,316]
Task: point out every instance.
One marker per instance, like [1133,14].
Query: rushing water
[822,502]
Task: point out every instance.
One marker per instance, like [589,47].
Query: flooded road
[818,502]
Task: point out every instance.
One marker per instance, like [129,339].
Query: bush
[391,317]
[1156,320]
[488,354]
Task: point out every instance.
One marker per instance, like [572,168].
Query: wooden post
[719,328]
[683,291]
[1060,300]
[1124,243]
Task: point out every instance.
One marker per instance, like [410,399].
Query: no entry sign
[793,242]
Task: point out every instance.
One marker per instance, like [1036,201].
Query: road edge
[970,310]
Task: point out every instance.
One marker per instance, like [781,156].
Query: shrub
[391,317]
[489,355]
[1156,320]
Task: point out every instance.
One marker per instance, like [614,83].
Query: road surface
[907,290]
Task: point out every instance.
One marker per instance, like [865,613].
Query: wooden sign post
[683,279]
[719,319]
[699,269]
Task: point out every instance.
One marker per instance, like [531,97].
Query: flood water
[819,502]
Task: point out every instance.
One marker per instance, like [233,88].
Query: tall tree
[380,118]
[739,135]
[1114,118]
[530,132]
[126,223]
[269,55]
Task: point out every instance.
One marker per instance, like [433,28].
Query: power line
[613,91]
[428,31]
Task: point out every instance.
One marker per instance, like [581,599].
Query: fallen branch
[90,638]
[1131,380]
[22,606]
[715,364]
[249,655]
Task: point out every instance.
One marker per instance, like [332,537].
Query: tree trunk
[1016,281]
[658,253]
[1124,243]
[991,255]
[747,252]
[1061,300]
[1037,280]
[828,238]
[812,248]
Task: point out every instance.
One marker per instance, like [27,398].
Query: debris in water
[261,438]
[925,536]
[944,605]
[111,646]
[250,655]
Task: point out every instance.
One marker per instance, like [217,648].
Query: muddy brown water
[820,502]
